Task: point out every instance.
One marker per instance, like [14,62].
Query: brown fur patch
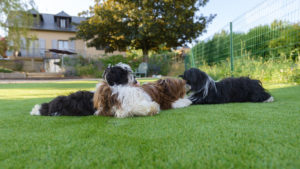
[165,91]
[104,100]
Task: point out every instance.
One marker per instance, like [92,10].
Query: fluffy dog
[168,93]
[120,96]
[76,104]
[206,91]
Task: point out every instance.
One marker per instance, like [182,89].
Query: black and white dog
[81,103]
[206,91]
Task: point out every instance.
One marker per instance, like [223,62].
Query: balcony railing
[42,53]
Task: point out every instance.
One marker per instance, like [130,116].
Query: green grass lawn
[240,135]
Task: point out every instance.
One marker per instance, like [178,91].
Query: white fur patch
[134,102]
[124,66]
[36,110]
[270,99]
[181,103]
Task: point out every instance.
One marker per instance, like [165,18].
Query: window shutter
[72,45]
[42,47]
[54,44]
[23,47]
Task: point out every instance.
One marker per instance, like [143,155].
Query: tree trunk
[145,55]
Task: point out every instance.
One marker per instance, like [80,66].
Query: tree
[288,42]
[3,47]
[15,20]
[142,24]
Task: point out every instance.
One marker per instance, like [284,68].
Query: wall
[29,65]
[80,45]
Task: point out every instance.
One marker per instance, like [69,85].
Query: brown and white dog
[120,96]
[168,93]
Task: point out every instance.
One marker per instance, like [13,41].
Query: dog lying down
[204,90]
[119,96]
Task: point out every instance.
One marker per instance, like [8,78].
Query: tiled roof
[48,22]
[62,14]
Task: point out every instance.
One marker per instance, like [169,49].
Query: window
[63,23]
[63,45]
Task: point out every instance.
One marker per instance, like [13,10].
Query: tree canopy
[15,20]
[143,24]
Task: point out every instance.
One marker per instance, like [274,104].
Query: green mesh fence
[269,30]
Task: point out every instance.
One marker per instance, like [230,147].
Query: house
[53,34]
[56,32]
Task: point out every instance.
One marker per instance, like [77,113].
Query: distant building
[56,32]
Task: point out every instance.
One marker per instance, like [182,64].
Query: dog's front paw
[154,109]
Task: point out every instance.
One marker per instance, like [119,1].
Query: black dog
[206,91]
[76,104]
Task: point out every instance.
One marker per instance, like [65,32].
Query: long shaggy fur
[168,93]
[105,100]
[76,104]
[206,91]
[120,97]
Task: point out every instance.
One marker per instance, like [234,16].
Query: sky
[71,7]
[226,10]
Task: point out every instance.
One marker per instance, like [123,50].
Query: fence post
[231,49]
[193,60]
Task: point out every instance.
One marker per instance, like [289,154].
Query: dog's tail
[36,110]
[40,110]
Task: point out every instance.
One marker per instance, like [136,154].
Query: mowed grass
[239,135]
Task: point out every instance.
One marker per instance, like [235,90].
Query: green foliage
[159,64]
[89,67]
[15,19]
[267,41]
[3,47]
[5,70]
[19,64]
[131,60]
[276,70]
[239,135]
[288,42]
[87,71]
[117,24]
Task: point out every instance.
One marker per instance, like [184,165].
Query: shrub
[87,71]
[276,70]
[131,60]
[91,67]
[19,64]
[5,70]
[159,64]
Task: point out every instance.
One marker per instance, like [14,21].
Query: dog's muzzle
[187,88]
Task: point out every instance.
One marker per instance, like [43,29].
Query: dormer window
[63,20]
[63,23]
